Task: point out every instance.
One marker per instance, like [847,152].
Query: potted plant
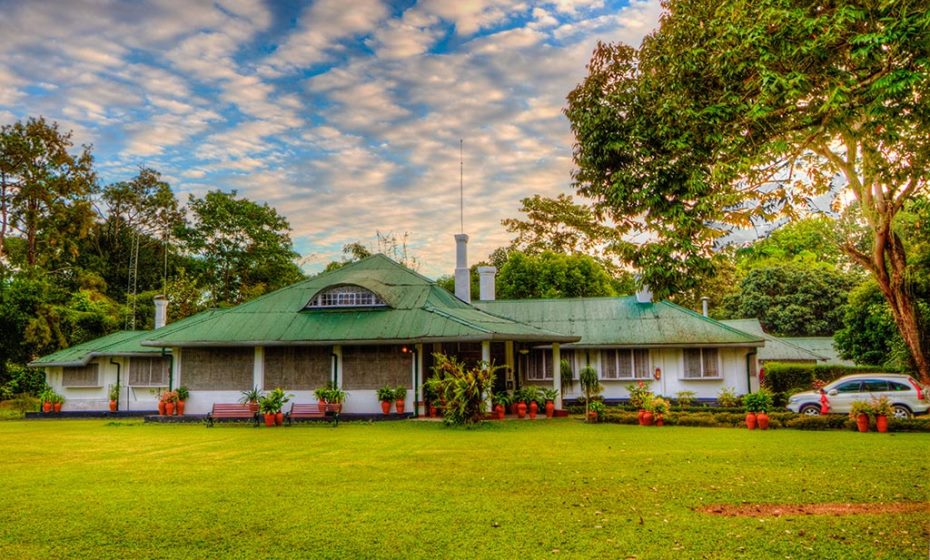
[269,409]
[549,395]
[596,411]
[659,408]
[639,395]
[400,398]
[251,398]
[322,394]
[757,405]
[532,396]
[161,401]
[751,406]
[500,401]
[431,396]
[183,395]
[881,409]
[169,398]
[280,398]
[46,396]
[386,396]
[860,411]
[335,396]
[57,401]
[590,386]
[521,396]
[648,416]
[114,397]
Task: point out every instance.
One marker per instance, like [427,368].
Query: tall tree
[560,225]
[552,275]
[734,112]
[245,247]
[44,190]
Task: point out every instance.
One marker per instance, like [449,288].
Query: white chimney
[486,282]
[161,311]
[704,303]
[644,295]
[462,275]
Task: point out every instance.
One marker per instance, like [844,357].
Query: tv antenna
[461,188]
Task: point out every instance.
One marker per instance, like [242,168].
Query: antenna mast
[461,188]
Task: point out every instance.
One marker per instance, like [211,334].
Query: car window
[875,385]
[848,387]
[895,386]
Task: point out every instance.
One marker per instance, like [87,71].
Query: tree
[245,247]
[44,190]
[792,300]
[734,113]
[869,335]
[558,225]
[552,275]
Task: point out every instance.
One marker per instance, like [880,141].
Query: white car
[905,393]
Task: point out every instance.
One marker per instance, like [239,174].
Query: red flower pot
[881,423]
[399,405]
[322,406]
[46,407]
[337,407]
[169,408]
[253,407]
[521,409]
[181,406]
[269,419]
[433,412]
[386,407]
[499,410]
[57,407]
[550,409]
[279,418]
[647,418]
[534,410]
[762,420]
[862,422]
[751,420]
[161,408]
[112,406]
[640,416]
[659,420]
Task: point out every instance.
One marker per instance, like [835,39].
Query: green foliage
[825,422]
[685,398]
[114,392]
[251,396]
[791,300]
[760,401]
[552,275]
[330,394]
[781,378]
[183,393]
[386,394]
[726,397]
[566,376]
[463,390]
[590,386]
[549,394]
[274,401]
[400,393]
[658,405]
[812,241]
[639,393]
[881,406]
[599,409]
[860,407]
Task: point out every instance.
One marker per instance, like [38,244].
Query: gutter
[170,357]
[749,355]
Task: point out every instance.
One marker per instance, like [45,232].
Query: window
[148,372]
[86,376]
[701,363]
[848,387]
[537,365]
[346,296]
[876,385]
[895,386]
[625,364]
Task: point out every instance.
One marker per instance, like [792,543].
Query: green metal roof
[120,343]
[622,322]
[822,345]
[776,348]
[417,310]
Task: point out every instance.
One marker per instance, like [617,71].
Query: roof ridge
[430,309]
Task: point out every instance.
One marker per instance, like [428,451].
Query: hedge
[783,377]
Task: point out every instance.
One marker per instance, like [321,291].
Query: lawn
[99,489]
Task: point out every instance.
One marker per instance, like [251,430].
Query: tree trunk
[3,213]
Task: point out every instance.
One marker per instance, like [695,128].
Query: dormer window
[345,296]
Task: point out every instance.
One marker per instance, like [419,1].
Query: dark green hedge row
[776,420]
[781,378]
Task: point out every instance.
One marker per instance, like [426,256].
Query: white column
[417,391]
[258,368]
[337,350]
[557,373]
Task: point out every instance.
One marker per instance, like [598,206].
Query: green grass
[98,489]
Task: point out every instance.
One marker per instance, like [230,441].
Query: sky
[344,115]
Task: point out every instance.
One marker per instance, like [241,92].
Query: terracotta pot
[57,407]
[399,405]
[647,418]
[499,410]
[640,416]
[550,409]
[534,410]
[112,406]
[337,407]
[269,419]
[762,420]
[862,422]
[169,408]
[46,407]
[253,407]
[322,406]
[592,416]
[659,420]
[386,407]
[161,408]
[751,420]
[181,406]
[521,409]
[433,412]
[881,422]
[279,418]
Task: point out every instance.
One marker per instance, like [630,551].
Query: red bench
[231,412]
[313,411]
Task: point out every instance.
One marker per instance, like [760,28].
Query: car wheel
[901,412]
[810,410]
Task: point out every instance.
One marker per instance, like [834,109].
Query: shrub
[908,425]
[727,397]
[463,390]
[826,422]
[698,419]
[783,377]
[760,401]
[684,398]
